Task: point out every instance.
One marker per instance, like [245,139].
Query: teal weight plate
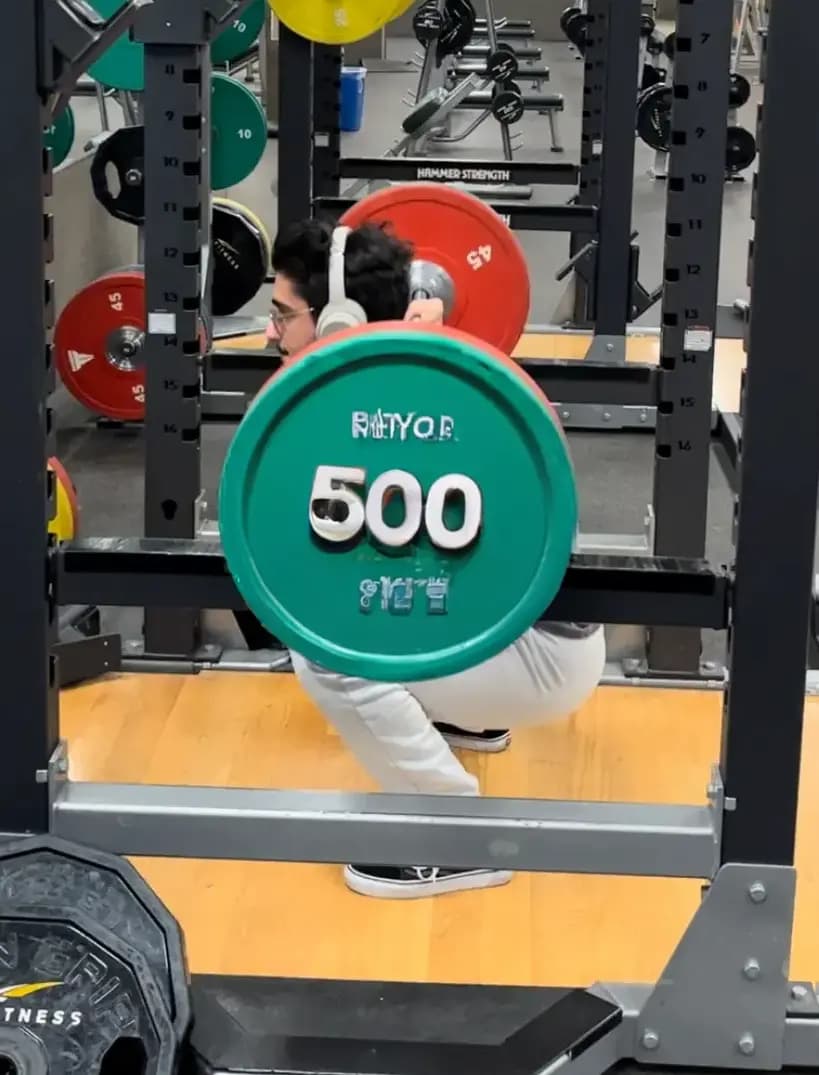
[122,66]
[239,132]
[239,34]
[59,138]
[432,405]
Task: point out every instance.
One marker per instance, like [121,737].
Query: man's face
[292,324]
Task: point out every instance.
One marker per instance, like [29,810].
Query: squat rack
[723,1000]
[603,391]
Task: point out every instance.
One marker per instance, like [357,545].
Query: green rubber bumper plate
[122,66]
[239,131]
[239,35]
[399,504]
[59,137]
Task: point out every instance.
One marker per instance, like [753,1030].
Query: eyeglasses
[278,320]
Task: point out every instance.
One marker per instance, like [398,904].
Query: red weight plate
[97,343]
[469,240]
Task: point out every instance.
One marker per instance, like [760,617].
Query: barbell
[399,503]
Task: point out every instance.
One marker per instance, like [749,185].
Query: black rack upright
[29,713]
[696,174]
[177,231]
[764,702]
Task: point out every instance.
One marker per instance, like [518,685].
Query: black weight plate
[567,14]
[78,999]
[654,116]
[501,65]
[239,260]
[507,107]
[427,24]
[124,152]
[670,44]
[740,92]
[652,75]
[577,30]
[740,150]
[460,26]
[49,875]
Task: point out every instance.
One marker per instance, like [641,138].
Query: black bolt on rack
[696,173]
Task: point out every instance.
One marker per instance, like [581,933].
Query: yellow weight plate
[334,22]
[252,219]
[65,523]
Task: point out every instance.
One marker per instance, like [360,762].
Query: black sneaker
[491,742]
[413,882]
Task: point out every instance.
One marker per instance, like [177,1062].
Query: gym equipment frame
[603,392]
[724,1000]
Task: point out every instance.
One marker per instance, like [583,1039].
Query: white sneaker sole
[480,746]
[412,890]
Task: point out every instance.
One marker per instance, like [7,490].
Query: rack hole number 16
[333,489]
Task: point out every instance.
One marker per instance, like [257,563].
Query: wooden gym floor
[299,920]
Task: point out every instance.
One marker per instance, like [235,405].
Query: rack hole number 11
[333,494]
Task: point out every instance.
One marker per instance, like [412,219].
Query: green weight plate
[239,34]
[59,137]
[239,132]
[122,66]
[316,566]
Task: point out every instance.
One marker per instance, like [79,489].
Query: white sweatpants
[388,726]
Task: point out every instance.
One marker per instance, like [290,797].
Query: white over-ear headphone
[340,312]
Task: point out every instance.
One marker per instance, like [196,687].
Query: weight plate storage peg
[122,66]
[334,22]
[421,497]
[241,256]
[238,131]
[464,253]
[124,151]
[239,35]
[94,976]
[66,522]
[98,344]
[59,137]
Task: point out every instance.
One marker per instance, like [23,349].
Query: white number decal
[115,300]
[240,26]
[473,511]
[331,487]
[245,133]
[479,257]
[337,513]
[401,481]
